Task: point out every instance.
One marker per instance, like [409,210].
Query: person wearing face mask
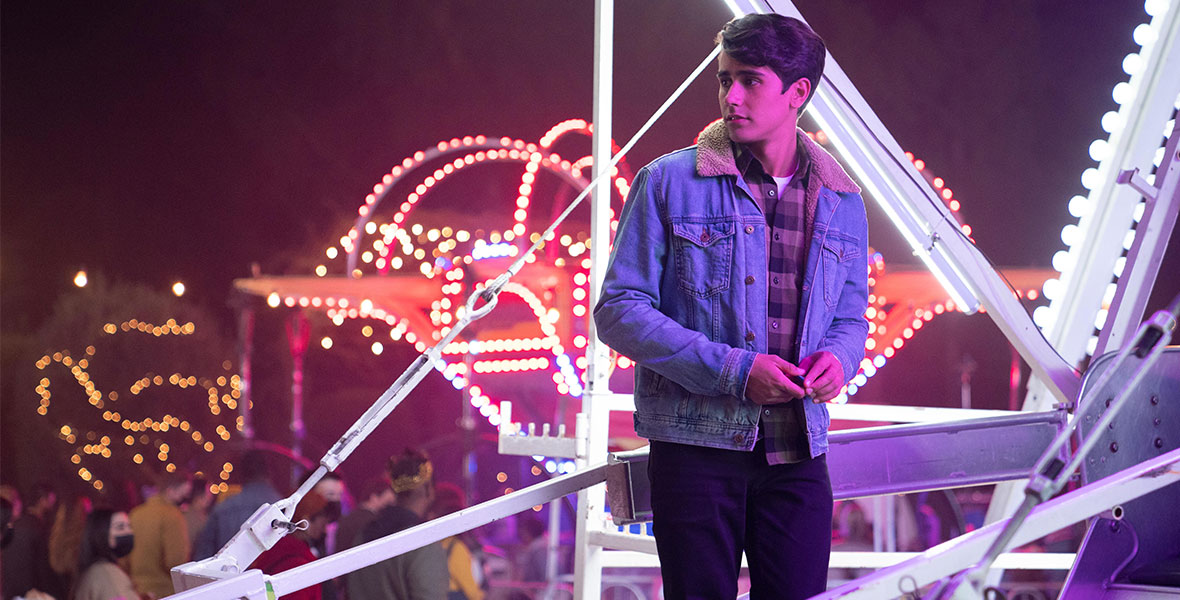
[106,538]
[295,549]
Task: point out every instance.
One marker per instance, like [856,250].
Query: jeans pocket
[704,255]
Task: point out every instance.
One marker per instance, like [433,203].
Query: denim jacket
[685,294]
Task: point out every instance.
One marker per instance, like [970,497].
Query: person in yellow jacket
[461,563]
[161,536]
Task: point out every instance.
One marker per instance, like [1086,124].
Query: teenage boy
[738,283]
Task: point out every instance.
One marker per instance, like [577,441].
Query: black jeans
[710,505]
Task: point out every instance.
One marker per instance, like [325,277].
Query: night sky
[160,141]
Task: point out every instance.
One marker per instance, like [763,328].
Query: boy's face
[753,104]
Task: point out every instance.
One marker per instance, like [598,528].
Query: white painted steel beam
[643,556]
[1103,229]
[962,552]
[401,542]
[910,414]
[591,501]
[1151,240]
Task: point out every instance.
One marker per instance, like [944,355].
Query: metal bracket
[1132,178]
[531,444]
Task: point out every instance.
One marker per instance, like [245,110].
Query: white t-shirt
[782,183]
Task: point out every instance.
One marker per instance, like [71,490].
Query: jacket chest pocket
[704,255]
[838,254]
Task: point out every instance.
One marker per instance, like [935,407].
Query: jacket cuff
[736,372]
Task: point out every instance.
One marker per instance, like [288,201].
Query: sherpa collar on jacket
[715,158]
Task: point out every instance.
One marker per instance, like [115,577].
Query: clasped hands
[818,375]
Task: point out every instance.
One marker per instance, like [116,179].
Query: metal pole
[467,424]
[591,502]
[298,334]
[1014,377]
[966,369]
[552,557]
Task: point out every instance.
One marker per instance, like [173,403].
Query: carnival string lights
[137,432]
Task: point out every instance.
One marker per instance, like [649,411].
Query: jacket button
[704,236]
[749,279]
[749,336]
[738,438]
[749,229]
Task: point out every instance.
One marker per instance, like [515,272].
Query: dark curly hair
[785,45]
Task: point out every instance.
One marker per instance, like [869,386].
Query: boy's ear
[798,92]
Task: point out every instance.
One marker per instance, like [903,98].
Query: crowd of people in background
[76,548]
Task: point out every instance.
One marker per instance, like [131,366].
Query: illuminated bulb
[273,300]
[80,279]
[1070,234]
[1155,8]
[1100,318]
[1108,295]
[1111,121]
[326,343]
[1123,92]
[1051,288]
[1091,345]
[1090,178]
[1099,150]
[178,288]
[1079,206]
[1062,261]
[1132,63]
[1041,316]
[1144,34]
[377,348]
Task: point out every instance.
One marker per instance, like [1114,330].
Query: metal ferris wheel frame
[911,203]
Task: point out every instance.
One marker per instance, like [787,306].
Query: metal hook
[290,527]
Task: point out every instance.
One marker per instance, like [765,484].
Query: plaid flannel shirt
[781,425]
